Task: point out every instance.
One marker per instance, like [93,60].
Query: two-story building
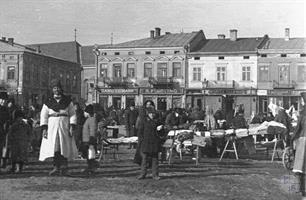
[152,68]
[223,73]
[25,72]
[281,72]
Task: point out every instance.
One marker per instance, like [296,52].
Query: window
[196,58]
[162,52]
[148,70]
[104,54]
[283,55]
[263,73]
[246,73]
[68,81]
[103,70]
[263,55]
[36,75]
[44,78]
[130,53]
[196,74]
[10,72]
[177,71]
[148,52]
[221,73]
[131,70]
[176,52]
[303,55]
[117,70]
[221,57]
[162,69]
[74,81]
[117,53]
[301,73]
[246,57]
[284,73]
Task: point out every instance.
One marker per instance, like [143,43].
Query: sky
[97,21]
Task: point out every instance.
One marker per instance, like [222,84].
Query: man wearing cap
[299,136]
[4,118]
[58,121]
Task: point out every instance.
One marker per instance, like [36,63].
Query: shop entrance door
[162,103]
[129,101]
[117,103]
[228,102]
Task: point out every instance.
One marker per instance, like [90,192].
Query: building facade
[223,74]
[281,72]
[153,68]
[25,72]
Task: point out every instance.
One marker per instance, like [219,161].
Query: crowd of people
[62,129]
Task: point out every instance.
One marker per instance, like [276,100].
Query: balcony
[118,82]
[221,84]
[162,82]
[282,85]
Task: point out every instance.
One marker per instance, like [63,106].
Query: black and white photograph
[152,100]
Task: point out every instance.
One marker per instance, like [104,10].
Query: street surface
[116,180]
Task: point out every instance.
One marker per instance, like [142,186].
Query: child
[19,139]
[89,139]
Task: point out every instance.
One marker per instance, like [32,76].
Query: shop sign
[262,92]
[118,91]
[161,91]
[280,92]
[231,92]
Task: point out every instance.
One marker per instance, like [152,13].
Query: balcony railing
[280,85]
[221,84]
[118,82]
[162,82]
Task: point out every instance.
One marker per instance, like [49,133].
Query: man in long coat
[58,121]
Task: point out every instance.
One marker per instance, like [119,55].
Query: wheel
[288,158]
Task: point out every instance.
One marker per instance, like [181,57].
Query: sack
[91,152]
[199,141]
[168,143]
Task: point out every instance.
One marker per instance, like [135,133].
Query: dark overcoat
[147,136]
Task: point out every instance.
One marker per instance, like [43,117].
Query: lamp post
[204,86]
[97,53]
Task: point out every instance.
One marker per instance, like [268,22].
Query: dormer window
[117,53]
[303,55]
[104,54]
[130,53]
[148,52]
[162,52]
[196,58]
[246,57]
[221,57]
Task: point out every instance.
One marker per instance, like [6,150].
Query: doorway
[162,103]
[117,103]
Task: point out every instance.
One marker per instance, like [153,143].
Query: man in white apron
[58,121]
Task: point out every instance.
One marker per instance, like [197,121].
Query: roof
[5,46]
[87,55]
[228,46]
[281,43]
[64,50]
[167,40]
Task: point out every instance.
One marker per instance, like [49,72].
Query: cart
[288,156]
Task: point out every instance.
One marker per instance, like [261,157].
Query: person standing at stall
[130,121]
[299,136]
[58,121]
[149,143]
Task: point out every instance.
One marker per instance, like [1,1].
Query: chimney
[157,32]
[38,49]
[10,41]
[233,35]
[221,36]
[287,34]
[152,34]
[167,33]
[3,39]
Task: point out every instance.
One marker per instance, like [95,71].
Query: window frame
[11,74]
[145,69]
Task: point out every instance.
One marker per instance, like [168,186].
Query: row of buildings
[171,69]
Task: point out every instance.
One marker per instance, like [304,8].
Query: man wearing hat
[299,136]
[4,118]
[58,121]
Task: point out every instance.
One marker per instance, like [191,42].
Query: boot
[13,168]
[64,169]
[19,167]
[56,164]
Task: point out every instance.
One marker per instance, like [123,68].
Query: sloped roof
[167,40]
[281,43]
[228,46]
[64,50]
[5,46]
[87,56]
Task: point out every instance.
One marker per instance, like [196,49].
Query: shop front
[118,98]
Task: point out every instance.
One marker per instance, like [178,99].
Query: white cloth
[58,125]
